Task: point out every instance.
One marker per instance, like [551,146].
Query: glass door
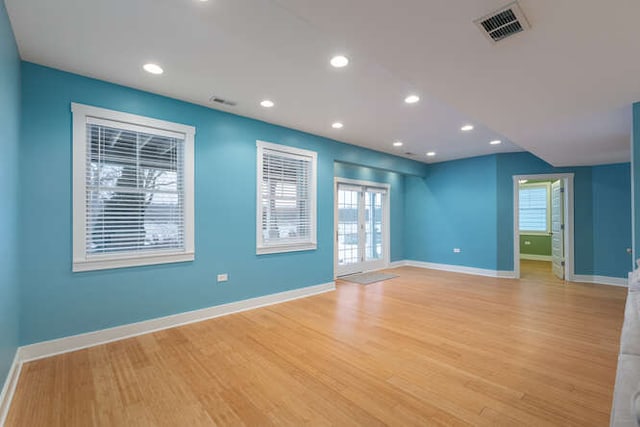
[361,231]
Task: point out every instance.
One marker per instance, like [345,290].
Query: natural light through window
[286,216]
[132,196]
[534,208]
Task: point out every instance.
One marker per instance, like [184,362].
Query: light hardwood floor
[426,348]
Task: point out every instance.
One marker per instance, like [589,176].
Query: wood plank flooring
[426,348]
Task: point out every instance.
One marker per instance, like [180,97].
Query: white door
[361,240]
[557,228]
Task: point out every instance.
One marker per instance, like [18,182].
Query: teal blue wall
[469,204]
[524,164]
[57,302]
[454,206]
[635,174]
[396,205]
[9,132]
[465,203]
[611,220]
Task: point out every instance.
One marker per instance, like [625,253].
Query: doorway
[543,224]
[361,226]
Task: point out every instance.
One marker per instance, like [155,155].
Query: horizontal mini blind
[286,198]
[135,189]
[533,208]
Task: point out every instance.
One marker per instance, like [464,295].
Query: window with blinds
[534,208]
[286,205]
[135,197]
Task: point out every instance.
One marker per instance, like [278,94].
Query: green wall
[540,244]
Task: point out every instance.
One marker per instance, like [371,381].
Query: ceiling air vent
[222,101]
[408,153]
[503,23]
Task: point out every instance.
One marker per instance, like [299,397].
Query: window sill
[535,233]
[286,248]
[151,259]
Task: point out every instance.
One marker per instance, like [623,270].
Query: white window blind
[286,199]
[534,215]
[133,191]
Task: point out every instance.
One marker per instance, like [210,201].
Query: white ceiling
[561,90]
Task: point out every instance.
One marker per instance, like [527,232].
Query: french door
[362,226]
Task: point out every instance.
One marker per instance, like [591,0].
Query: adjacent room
[292,212]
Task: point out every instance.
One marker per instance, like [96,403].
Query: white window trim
[261,247]
[546,185]
[81,113]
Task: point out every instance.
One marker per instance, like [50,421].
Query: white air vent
[503,23]
[222,101]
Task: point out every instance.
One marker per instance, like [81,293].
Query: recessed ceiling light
[153,68]
[337,125]
[412,99]
[431,153]
[339,61]
[397,144]
[466,128]
[495,142]
[267,103]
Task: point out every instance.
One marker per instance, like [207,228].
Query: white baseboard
[532,257]
[90,339]
[6,395]
[601,280]
[396,264]
[461,269]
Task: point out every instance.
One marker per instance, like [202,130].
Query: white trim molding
[84,261]
[77,342]
[568,219]
[504,274]
[533,257]
[397,264]
[363,266]
[307,244]
[601,280]
[6,396]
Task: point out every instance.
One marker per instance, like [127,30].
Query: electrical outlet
[456,250]
[527,243]
[223,277]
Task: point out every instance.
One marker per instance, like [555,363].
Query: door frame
[569,267]
[386,219]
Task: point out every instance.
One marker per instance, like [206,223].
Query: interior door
[557,228]
[360,234]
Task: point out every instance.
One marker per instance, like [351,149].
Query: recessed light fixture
[267,103]
[337,125]
[412,99]
[339,61]
[431,153]
[397,144]
[495,142]
[466,128]
[153,68]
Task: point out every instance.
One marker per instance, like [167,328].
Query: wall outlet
[456,250]
[223,277]
[526,242]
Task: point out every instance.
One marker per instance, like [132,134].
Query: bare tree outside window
[134,191]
